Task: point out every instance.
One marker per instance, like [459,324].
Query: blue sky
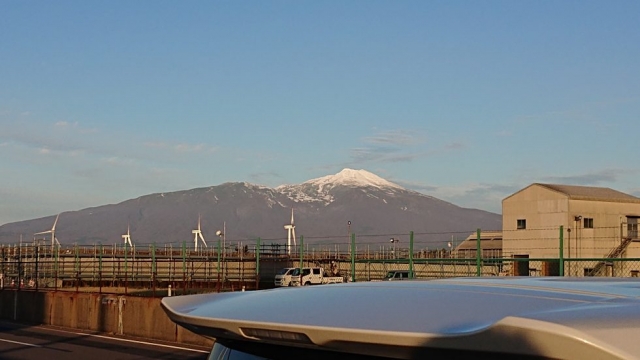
[467,101]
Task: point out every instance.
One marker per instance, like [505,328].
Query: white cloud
[393,137]
[455,146]
[118,161]
[592,178]
[472,195]
[386,146]
[181,148]
[189,148]
[156,145]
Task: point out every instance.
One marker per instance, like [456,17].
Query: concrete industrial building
[490,243]
[598,222]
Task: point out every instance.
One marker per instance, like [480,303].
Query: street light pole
[220,238]
[394,241]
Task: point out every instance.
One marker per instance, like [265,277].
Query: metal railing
[252,264]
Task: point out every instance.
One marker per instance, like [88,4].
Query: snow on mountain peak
[318,190]
[350,177]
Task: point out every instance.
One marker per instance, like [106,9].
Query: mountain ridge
[323,206]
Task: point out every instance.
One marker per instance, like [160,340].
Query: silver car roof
[551,317]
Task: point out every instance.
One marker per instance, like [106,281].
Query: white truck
[313,276]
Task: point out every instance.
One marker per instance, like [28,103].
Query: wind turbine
[291,233]
[198,233]
[127,237]
[54,240]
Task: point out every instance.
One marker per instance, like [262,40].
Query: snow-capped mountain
[320,189]
[354,178]
[374,207]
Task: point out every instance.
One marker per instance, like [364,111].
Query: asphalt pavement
[24,342]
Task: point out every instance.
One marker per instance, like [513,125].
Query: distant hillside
[376,208]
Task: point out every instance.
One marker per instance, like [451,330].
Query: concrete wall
[111,314]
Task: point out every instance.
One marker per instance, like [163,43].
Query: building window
[522,224]
[588,223]
[632,231]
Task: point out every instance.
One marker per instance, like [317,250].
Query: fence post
[219,246]
[37,275]
[2,270]
[153,269]
[478,254]
[561,260]
[411,275]
[18,282]
[184,268]
[56,251]
[126,271]
[258,248]
[100,269]
[353,257]
[301,257]
[77,267]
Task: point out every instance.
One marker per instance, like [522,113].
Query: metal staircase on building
[612,255]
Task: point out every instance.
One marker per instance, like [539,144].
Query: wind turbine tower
[291,233]
[127,238]
[198,234]
[54,240]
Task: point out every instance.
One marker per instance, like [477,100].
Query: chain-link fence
[121,269]
[252,264]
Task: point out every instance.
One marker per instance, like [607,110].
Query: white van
[283,277]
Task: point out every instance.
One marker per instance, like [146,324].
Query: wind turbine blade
[43,232]
[291,216]
[54,223]
[294,235]
[286,227]
[202,238]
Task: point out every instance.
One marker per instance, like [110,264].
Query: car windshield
[284,271]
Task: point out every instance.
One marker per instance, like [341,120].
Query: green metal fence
[252,263]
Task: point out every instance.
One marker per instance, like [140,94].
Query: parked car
[397,275]
[283,276]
